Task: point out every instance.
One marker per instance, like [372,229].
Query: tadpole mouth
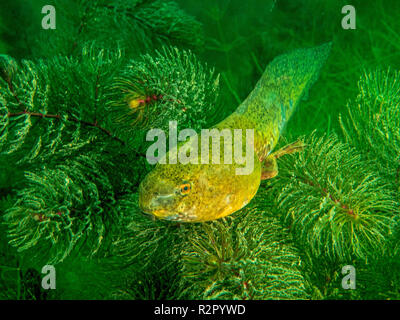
[173,217]
[148,209]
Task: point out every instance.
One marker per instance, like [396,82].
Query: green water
[70,166]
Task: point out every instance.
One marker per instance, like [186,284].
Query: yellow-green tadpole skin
[198,192]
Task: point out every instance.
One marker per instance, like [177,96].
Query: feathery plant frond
[37,118]
[20,91]
[170,85]
[137,26]
[372,122]
[324,277]
[53,127]
[335,205]
[85,78]
[60,208]
[141,239]
[148,253]
[166,20]
[249,256]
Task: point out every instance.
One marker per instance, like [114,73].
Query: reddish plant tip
[353,214]
[39,217]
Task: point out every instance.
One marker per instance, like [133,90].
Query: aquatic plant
[168,85]
[248,257]
[333,204]
[75,104]
[371,123]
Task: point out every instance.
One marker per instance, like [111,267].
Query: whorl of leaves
[148,252]
[60,209]
[249,256]
[16,282]
[136,26]
[141,237]
[20,90]
[372,122]
[169,85]
[335,205]
[38,118]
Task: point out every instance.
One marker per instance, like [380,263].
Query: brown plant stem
[57,116]
[325,192]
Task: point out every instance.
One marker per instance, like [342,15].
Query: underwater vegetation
[76,103]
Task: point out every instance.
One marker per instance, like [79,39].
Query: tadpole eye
[185,188]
